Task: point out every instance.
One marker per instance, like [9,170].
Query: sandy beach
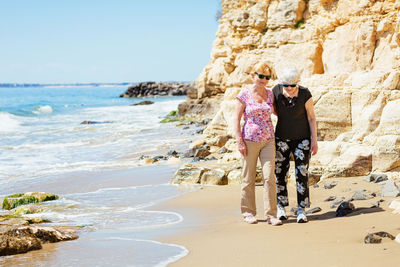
[215,234]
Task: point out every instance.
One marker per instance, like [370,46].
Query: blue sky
[60,41]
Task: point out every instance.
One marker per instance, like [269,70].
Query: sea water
[44,145]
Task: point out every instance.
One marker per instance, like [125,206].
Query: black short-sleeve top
[292,115]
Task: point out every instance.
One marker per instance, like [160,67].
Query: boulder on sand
[18,239]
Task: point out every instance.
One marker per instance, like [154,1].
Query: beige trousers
[265,151]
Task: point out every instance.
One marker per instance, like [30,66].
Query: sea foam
[8,122]
[43,109]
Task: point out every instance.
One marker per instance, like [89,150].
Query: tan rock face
[349,48]
[333,111]
[285,13]
[390,119]
[386,154]
[348,52]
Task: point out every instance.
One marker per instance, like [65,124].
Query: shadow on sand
[331,215]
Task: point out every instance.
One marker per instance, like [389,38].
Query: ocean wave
[49,145]
[56,144]
[8,122]
[42,110]
[166,262]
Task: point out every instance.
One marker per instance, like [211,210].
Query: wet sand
[215,235]
[99,247]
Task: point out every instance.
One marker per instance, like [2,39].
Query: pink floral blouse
[257,117]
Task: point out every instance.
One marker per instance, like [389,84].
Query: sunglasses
[262,76]
[288,85]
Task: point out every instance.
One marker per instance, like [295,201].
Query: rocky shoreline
[355,88]
[144,89]
[20,234]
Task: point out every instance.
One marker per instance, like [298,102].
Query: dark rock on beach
[208,158]
[200,131]
[157,89]
[224,150]
[337,202]
[95,122]
[330,198]
[345,208]
[202,152]
[361,195]
[330,185]
[158,158]
[376,178]
[145,102]
[372,239]
[172,153]
[313,210]
[376,238]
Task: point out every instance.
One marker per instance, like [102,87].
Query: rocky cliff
[348,52]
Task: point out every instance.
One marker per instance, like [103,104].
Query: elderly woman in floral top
[256,140]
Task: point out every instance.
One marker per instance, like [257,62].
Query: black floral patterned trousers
[301,152]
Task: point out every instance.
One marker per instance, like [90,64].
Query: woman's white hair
[289,74]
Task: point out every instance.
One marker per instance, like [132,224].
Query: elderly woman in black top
[296,132]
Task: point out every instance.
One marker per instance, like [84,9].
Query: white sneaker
[250,219]
[301,216]
[274,221]
[281,214]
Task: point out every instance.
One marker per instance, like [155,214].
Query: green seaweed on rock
[172,113]
[15,200]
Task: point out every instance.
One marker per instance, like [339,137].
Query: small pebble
[330,198]
[313,210]
[330,185]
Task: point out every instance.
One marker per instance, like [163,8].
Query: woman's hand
[242,147]
[314,147]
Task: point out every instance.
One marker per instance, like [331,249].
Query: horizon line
[25,84]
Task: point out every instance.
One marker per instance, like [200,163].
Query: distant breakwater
[157,89]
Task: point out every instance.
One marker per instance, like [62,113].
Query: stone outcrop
[157,89]
[348,52]
[195,174]
[16,239]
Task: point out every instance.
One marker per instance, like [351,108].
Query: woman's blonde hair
[262,68]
